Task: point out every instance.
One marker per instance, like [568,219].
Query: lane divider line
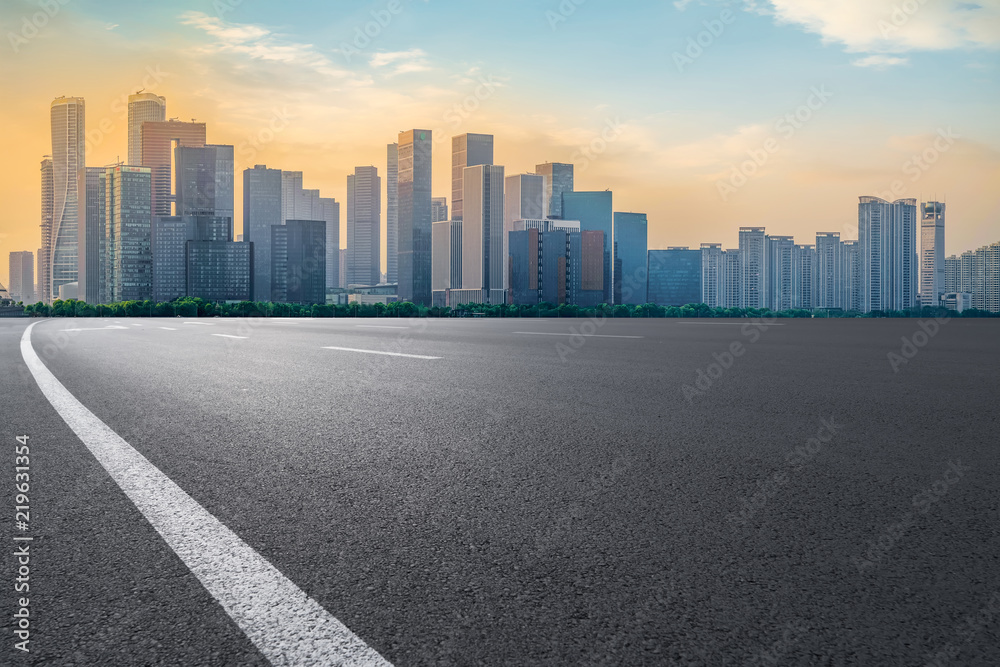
[284,623]
[570,333]
[388,354]
[228,336]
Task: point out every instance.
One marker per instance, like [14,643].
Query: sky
[705,115]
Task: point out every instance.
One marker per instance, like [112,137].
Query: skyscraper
[91,233]
[364,223]
[204,181]
[887,237]
[68,157]
[558,179]
[952,274]
[391,214]
[142,107]
[779,267]
[128,216]
[298,262]
[713,275]
[831,276]
[483,261]
[446,260]
[675,276]
[595,212]
[22,277]
[157,139]
[853,278]
[261,211]
[467,150]
[753,267]
[932,258]
[415,157]
[298,203]
[44,293]
[439,209]
[804,281]
[631,249]
[732,263]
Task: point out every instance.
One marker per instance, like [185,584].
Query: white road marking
[737,321]
[388,354]
[137,325]
[203,324]
[107,328]
[168,329]
[570,333]
[378,326]
[228,336]
[288,626]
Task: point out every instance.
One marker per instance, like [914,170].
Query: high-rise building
[595,212]
[168,244]
[142,107]
[364,224]
[732,263]
[952,274]
[44,291]
[631,246]
[557,180]
[219,270]
[22,277]
[713,275]
[91,233]
[204,181]
[157,140]
[753,265]
[415,161]
[966,271]
[261,211]
[128,231]
[298,262]
[887,236]
[805,267]
[68,157]
[523,259]
[524,199]
[467,150]
[676,276]
[391,214]
[483,262]
[853,276]
[446,261]
[779,269]
[342,268]
[831,278]
[585,282]
[932,256]
[301,204]
[439,209]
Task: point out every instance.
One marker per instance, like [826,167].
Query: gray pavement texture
[526,499]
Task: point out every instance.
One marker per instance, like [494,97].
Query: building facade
[467,150]
[67,115]
[22,277]
[676,276]
[932,257]
[157,140]
[91,234]
[261,211]
[142,108]
[483,261]
[887,238]
[128,232]
[364,224]
[298,262]
[595,211]
[753,267]
[631,247]
[415,162]
[391,214]
[557,179]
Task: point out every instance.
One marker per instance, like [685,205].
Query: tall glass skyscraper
[91,233]
[204,181]
[467,150]
[415,154]
[364,224]
[68,157]
[157,141]
[142,107]
[558,179]
[261,211]
[631,246]
[595,212]
[47,224]
[675,277]
[483,247]
[128,215]
[391,214]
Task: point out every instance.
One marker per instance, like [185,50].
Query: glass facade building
[392,214]
[415,153]
[90,234]
[128,217]
[157,140]
[261,211]
[467,150]
[67,115]
[557,179]
[298,262]
[675,277]
[631,245]
[595,212]
[364,224]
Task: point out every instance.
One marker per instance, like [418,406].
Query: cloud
[681,5]
[414,60]
[880,61]
[891,26]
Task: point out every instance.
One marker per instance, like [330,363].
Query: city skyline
[247,73]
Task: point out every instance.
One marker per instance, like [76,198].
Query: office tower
[219,270]
[778,267]
[329,212]
[415,216]
[523,257]
[830,271]
[631,246]
[753,265]
[713,275]
[261,211]
[128,231]
[364,223]
[594,210]
[168,244]
[932,256]
[301,204]
[204,181]
[524,196]
[585,283]
[887,236]
[142,107]
[157,140]
[553,265]
[483,263]
[342,253]
[952,274]
[557,179]
[44,291]
[446,261]
[90,233]
[68,157]
[298,262]
[22,277]
[467,150]
[805,284]
[676,276]
[392,215]
[439,209]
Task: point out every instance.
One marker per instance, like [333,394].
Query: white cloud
[414,60]
[879,61]
[892,26]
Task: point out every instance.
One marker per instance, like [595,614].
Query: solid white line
[107,328]
[736,321]
[378,326]
[570,333]
[228,336]
[168,329]
[203,324]
[388,354]
[288,626]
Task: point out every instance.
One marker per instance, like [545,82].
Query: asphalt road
[514,495]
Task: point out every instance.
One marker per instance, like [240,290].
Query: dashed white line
[284,623]
[203,324]
[388,354]
[228,336]
[168,329]
[378,326]
[136,325]
[111,327]
[570,333]
[736,321]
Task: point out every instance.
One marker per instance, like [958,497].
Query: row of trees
[196,307]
